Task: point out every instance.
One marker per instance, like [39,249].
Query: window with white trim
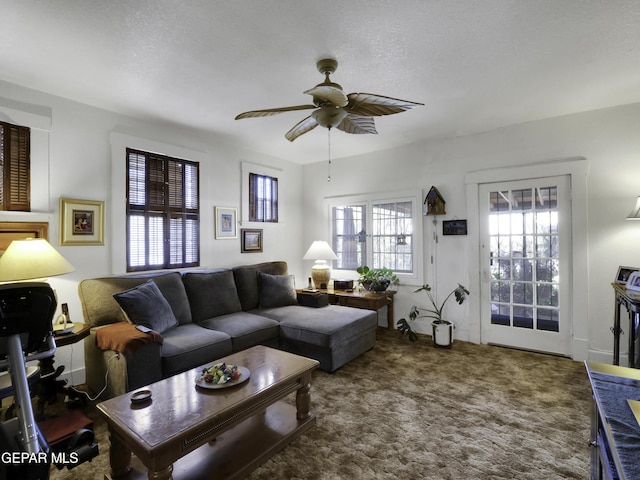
[377,233]
[263,198]
[163,212]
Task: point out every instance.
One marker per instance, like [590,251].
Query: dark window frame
[165,203]
[263,198]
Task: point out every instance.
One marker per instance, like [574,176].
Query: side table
[49,384]
[365,300]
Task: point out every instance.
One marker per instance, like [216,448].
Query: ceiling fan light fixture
[352,113]
[329,116]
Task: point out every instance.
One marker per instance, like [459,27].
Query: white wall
[608,140]
[74,158]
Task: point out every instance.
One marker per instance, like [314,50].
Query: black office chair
[26,313]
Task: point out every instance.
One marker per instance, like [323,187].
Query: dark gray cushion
[173,290]
[189,346]
[211,294]
[323,327]
[245,329]
[276,290]
[145,305]
[247,281]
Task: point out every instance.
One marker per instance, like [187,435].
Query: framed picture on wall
[251,240]
[624,273]
[454,227]
[81,222]
[226,222]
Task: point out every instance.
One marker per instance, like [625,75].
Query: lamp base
[321,274]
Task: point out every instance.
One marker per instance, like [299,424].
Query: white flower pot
[442,334]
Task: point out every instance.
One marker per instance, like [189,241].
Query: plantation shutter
[163,212]
[263,198]
[15,153]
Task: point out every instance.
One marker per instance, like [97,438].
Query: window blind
[263,198]
[163,212]
[15,153]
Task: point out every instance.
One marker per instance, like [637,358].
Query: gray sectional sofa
[203,315]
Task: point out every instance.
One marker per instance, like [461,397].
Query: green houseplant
[442,329]
[376,279]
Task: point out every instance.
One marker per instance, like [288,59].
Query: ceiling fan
[352,113]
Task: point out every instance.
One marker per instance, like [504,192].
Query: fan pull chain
[329,148]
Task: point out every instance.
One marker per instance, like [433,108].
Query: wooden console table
[364,300]
[631,302]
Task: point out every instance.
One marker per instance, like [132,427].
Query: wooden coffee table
[185,431]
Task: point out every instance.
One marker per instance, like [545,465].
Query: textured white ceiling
[477,65]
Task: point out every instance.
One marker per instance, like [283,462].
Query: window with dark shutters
[15,167]
[263,198]
[163,213]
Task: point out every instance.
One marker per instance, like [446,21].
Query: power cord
[106,382]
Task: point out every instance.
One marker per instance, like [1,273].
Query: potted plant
[376,279]
[442,329]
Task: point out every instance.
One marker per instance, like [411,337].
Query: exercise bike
[26,335]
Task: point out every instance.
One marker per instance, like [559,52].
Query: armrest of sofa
[113,373]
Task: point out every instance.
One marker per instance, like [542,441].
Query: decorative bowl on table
[222,375]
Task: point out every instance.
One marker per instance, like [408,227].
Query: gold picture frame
[81,222]
[226,222]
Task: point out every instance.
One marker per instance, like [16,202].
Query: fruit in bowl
[219,374]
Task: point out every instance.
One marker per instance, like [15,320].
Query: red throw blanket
[125,338]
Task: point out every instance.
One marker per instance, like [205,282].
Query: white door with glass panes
[525,230]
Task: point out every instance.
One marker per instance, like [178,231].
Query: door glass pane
[523,237]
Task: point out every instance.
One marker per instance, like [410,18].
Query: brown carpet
[410,411]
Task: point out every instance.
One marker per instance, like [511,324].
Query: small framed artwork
[81,222]
[251,240]
[624,273]
[454,227]
[226,222]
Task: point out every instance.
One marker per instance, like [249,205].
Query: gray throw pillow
[277,291]
[211,294]
[145,305]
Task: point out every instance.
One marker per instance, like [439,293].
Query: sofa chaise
[201,315]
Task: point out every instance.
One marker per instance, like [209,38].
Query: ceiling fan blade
[273,111]
[300,128]
[357,124]
[370,105]
[329,93]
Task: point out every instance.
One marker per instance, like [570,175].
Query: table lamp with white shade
[34,259]
[321,252]
[30,259]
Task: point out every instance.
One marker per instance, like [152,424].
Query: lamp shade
[30,259]
[320,250]
[635,213]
